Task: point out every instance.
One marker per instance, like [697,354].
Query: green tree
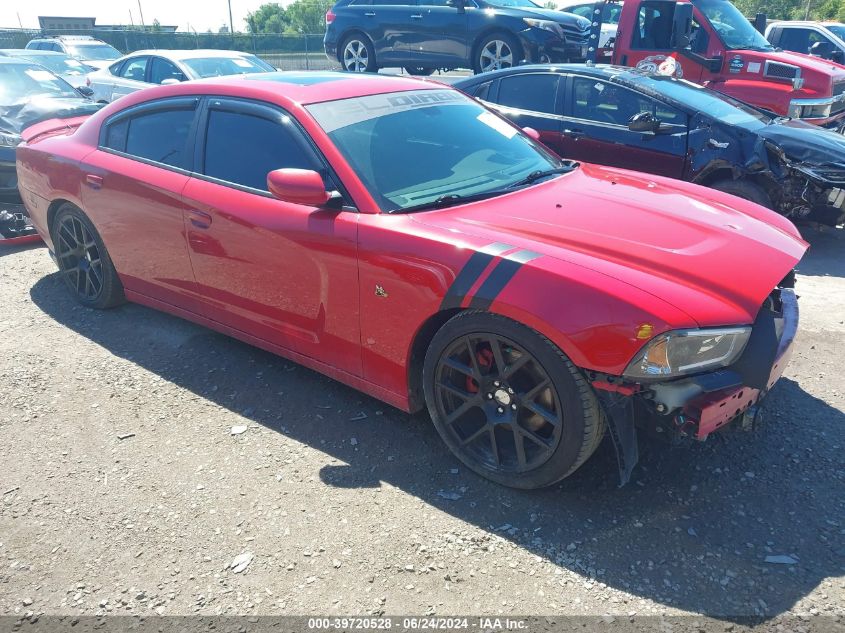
[308,16]
[550,4]
[268,18]
[156,27]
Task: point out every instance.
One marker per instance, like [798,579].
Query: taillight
[329,16]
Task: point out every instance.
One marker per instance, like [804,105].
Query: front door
[281,272]
[595,129]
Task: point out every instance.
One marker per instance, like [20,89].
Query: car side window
[480,91]
[114,69]
[160,136]
[603,102]
[653,29]
[135,69]
[793,39]
[536,92]
[584,10]
[242,148]
[162,69]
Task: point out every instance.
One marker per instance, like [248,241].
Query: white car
[142,69]
[823,39]
[610,17]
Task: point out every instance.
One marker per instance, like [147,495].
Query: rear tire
[84,262]
[357,55]
[525,424]
[744,189]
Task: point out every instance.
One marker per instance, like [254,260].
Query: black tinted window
[160,136]
[242,149]
[116,135]
[653,28]
[162,69]
[135,68]
[535,92]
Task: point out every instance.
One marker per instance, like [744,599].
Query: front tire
[357,55]
[419,71]
[496,51]
[83,261]
[508,403]
[744,189]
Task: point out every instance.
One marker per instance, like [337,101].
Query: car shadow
[691,531]
[826,257]
[14,249]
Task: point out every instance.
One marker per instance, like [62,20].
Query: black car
[624,117]
[29,93]
[424,35]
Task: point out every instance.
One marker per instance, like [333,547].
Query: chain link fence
[285,52]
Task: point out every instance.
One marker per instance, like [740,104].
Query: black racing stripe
[499,278]
[470,273]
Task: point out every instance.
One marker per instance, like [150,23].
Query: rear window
[160,136]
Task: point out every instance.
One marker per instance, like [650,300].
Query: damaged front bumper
[697,406]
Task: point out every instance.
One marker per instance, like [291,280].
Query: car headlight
[682,352]
[546,25]
[9,139]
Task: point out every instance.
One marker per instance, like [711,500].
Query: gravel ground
[127,487]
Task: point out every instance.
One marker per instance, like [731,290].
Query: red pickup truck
[711,43]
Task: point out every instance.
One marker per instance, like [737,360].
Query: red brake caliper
[485,361]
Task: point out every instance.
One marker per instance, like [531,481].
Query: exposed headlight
[8,139]
[682,352]
[814,108]
[546,25]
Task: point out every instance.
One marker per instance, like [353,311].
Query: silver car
[71,70]
[142,69]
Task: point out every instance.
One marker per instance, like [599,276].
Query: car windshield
[416,147]
[22,82]
[708,102]
[93,51]
[512,3]
[735,31]
[204,67]
[61,64]
[838,30]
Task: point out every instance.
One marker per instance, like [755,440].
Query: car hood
[806,144]
[98,63]
[686,244]
[561,17]
[17,116]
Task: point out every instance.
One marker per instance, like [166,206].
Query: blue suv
[425,35]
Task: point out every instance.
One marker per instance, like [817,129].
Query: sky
[200,15]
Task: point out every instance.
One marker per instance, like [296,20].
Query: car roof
[600,71]
[293,87]
[28,52]
[190,53]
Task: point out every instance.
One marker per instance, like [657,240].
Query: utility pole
[231,24]
[807,12]
[141,11]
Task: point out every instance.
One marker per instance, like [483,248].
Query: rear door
[530,100]
[595,128]
[388,25]
[438,34]
[133,193]
[283,273]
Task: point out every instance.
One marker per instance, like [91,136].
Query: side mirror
[532,133]
[643,122]
[838,56]
[681,26]
[170,81]
[85,91]
[299,186]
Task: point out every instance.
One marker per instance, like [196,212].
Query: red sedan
[399,237]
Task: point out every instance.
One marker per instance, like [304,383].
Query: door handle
[199,219]
[93,181]
[574,134]
[370,14]
[418,16]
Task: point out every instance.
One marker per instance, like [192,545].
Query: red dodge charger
[401,238]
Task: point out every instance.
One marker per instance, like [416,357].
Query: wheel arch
[416,355]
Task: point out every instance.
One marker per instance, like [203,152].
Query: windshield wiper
[448,200]
[534,176]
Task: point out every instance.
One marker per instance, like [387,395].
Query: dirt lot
[123,489]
